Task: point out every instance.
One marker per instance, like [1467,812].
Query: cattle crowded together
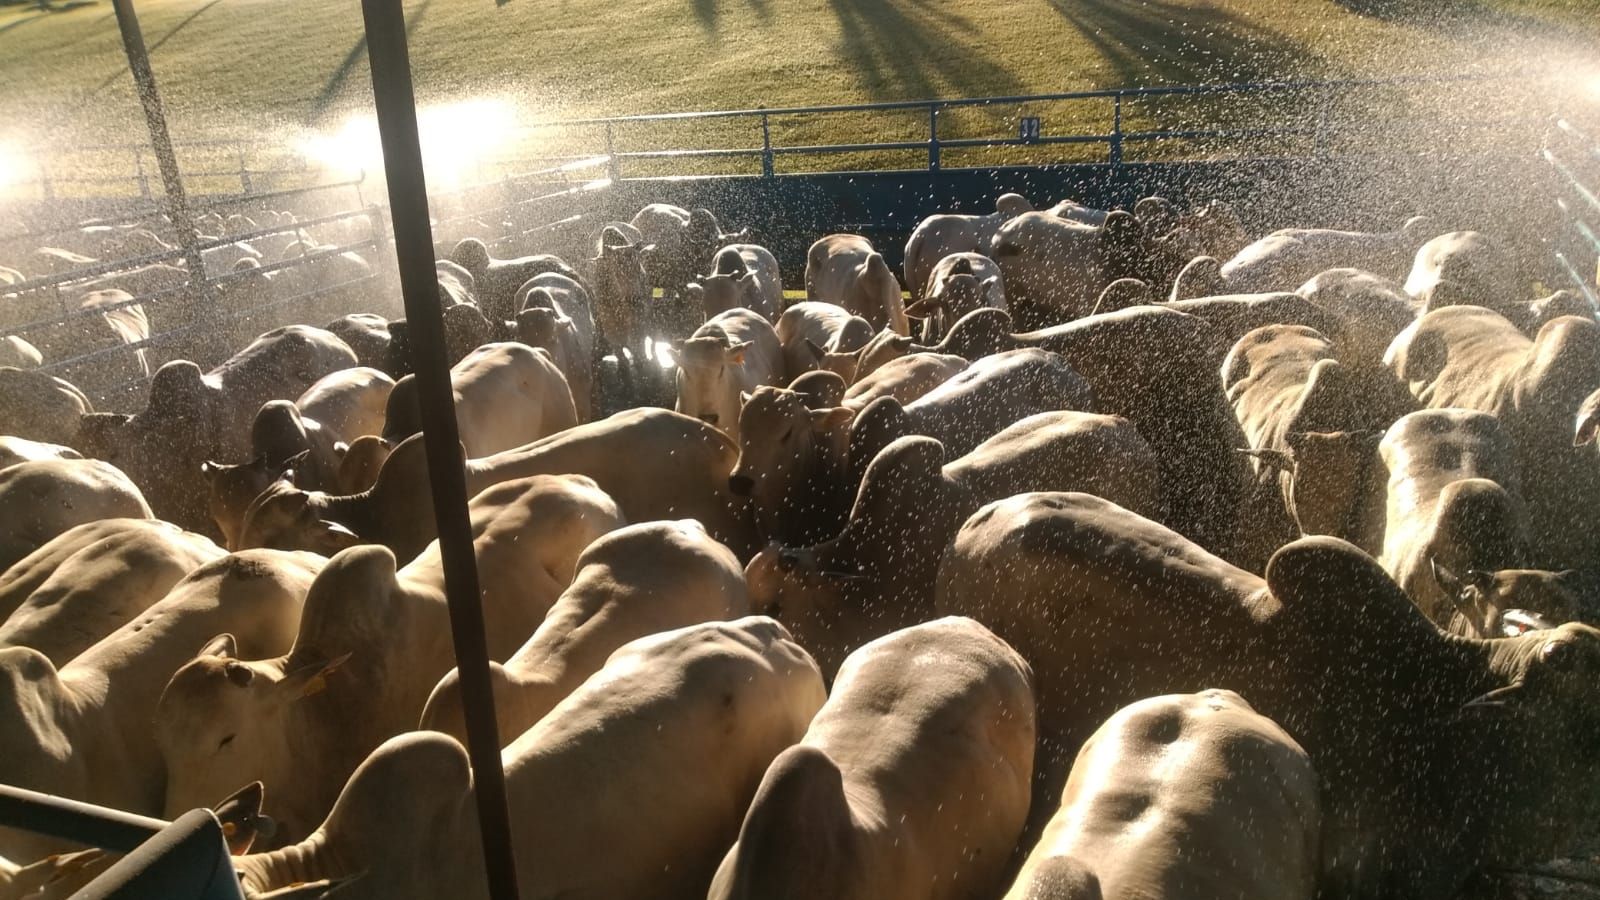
[1120,555]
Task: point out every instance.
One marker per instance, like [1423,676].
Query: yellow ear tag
[317,684]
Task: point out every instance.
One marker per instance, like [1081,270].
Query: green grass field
[272,70]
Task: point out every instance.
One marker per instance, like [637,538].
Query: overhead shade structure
[395,101]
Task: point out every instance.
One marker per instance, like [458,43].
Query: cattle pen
[1317,145]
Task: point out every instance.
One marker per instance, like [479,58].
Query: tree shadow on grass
[336,81]
[909,50]
[1162,42]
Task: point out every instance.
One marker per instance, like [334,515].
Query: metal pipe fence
[1574,160]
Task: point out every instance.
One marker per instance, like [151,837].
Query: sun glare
[456,138]
[14,166]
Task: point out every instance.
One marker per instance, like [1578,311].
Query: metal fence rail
[933,144]
[1574,160]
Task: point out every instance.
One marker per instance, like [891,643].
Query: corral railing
[1296,118]
[1574,158]
[213,166]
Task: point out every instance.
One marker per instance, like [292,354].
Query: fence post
[933,138]
[244,173]
[171,180]
[1116,130]
[144,177]
[613,168]
[766,147]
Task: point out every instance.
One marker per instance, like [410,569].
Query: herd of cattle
[1127,557]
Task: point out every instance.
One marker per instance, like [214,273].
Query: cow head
[885,346]
[876,426]
[1335,478]
[222,721]
[359,463]
[283,517]
[1480,599]
[33,701]
[233,487]
[705,379]
[1200,277]
[472,255]
[786,452]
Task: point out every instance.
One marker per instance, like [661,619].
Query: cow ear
[1447,580]
[744,397]
[310,680]
[339,535]
[817,353]
[211,469]
[222,645]
[694,289]
[340,448]
[924,307]
[991,287]
[735,354]
[1588,427]
[829,419]
[297,460]
[1270,457]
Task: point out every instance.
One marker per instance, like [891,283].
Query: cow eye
[225,742]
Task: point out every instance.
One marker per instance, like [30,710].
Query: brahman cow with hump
[845,269]
[878,572]
[911,782]
[506,395]
[40,407]
[1110,608]
[634,582]
[729,356]
[1054,269]
[495,281]
[554,313]
[655,463]
[820,335]
[372,643]
[1285,259]
[943,234]
[1474,358]
[678,244]
[742,275]
[1284,381]
[43,498]
[312,436]
[1467,268]
[694,717]
[959,284]
[88,581]
[1456,531]
[1182,797]
[83,731]
[193,417]
[1157,368]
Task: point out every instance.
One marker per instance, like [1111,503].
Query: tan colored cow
[506,395]
[730,355]
[942,234]
[820,335]
[636,581]
[1182,797]
[878,572]
[88,581]
[374,640]
[44,498]
[657,464]
[912,781]
[40,407]
[697,714]
[742,275]
[844,269]
[86,727]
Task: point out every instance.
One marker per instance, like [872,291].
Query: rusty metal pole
[155,118]
[395,102]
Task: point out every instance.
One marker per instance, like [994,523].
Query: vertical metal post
[1116,130]
[155,118]
[933,138]
[613,168]
[144,177]
[766,147]
[244,173]
[395,101]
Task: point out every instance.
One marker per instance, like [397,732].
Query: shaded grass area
[270,70]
